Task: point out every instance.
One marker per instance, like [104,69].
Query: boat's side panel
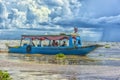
[54,50]
[17,50]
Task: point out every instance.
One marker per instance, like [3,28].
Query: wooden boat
[66,44]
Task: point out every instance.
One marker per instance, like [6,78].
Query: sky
[97,20]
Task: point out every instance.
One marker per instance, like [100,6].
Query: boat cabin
[52,44]
[51,40]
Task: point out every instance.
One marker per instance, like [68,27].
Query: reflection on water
[50,59]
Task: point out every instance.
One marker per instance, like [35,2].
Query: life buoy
[28,49]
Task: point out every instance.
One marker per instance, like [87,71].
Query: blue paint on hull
[53,50]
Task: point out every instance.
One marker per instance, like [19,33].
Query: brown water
[100,56]
[101,64]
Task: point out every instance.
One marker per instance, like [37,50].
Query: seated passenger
[38,45]
[64,43]
[79,42]
[56,43]
[53,43]
[74,42]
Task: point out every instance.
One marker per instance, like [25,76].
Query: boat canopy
[49,37]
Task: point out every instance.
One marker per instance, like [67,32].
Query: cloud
[54,2]
[59,15]
[110,19]
[90,34]
[58,12]
[100,8]
[18,17]
[2,15]
[45,15]
[31,14]
[70,9]
[40,12]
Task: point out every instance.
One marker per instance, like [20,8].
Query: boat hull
[53,50]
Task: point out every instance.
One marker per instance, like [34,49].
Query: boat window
[64,43]
[35,42]
[55,43]
[45,43]
[25,42]
[74,42]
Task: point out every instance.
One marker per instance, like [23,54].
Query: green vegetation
[107,46]
[62,34]
[16,46]
[9,46]
[4,75]
[60,56]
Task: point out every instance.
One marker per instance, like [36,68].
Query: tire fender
[28,49]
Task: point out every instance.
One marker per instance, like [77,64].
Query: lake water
[106,56]
[101,56]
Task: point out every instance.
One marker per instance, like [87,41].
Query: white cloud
[58,15]
[57,2]
[42,14]
[40,11]
[88,34]
[57,11]
[110,19]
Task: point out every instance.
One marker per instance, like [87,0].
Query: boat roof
[49,37]
[42,35]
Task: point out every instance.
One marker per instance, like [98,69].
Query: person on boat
[53,43]
[79,42]
[56,43]
[74,42]
[64,43]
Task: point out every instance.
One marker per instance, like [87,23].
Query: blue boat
[52,45]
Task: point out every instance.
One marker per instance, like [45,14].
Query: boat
[68,44]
